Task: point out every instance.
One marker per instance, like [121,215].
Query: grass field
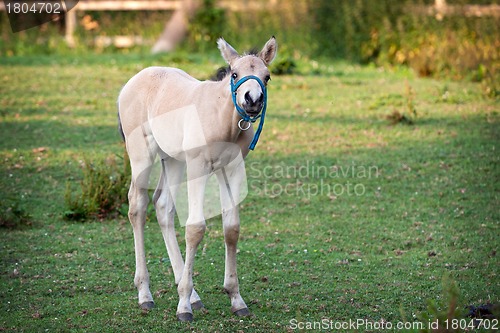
[348,216]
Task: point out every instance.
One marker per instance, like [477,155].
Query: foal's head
[250,96]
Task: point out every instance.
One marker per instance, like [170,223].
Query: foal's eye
[235,76]
[267,78]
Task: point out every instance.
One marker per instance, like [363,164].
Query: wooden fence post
[70,20]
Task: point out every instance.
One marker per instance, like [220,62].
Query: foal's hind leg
[142,150]
[138,202]
[171,178]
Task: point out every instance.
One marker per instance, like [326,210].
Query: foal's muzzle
[251,110]
[253,107]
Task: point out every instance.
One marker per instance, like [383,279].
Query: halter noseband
[244,116]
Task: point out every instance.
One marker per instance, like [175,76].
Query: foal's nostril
[251,102]
[261,99]
[248,99]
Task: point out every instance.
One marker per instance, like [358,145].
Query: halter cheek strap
[244,116]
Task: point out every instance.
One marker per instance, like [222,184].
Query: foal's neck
[226,112]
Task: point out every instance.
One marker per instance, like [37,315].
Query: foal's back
[159,80]
[175,111]
[151,91]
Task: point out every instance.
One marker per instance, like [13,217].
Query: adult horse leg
[198,170]
[164,200]
[230,181]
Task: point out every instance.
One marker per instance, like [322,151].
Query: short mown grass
[349,215]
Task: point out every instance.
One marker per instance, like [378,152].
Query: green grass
[426,206]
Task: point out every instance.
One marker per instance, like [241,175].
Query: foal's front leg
[197,172]
[230,181]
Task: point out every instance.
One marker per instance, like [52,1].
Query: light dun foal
[192,125]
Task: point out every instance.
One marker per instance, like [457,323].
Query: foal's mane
[222,72]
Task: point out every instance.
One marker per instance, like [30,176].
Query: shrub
[284,66]
[103,189]
[208,24]
[389,33]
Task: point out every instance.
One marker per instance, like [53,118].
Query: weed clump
[13,214]
[449,317]
[443,316]
[409,114]
[103,189]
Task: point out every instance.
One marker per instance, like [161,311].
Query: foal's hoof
[185,317]
[243,312]
[198,305]
[147,305]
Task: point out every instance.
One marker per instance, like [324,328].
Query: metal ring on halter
[241,127]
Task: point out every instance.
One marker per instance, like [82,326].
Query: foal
[205,126]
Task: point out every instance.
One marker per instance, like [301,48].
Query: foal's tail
[120,128]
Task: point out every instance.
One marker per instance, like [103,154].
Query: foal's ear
[227,51]
[269,50]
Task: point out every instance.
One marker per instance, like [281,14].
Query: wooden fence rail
[114,5]
[134,5]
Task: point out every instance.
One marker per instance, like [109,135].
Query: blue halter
[244,116]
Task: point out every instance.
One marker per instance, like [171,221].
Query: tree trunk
[176,28]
